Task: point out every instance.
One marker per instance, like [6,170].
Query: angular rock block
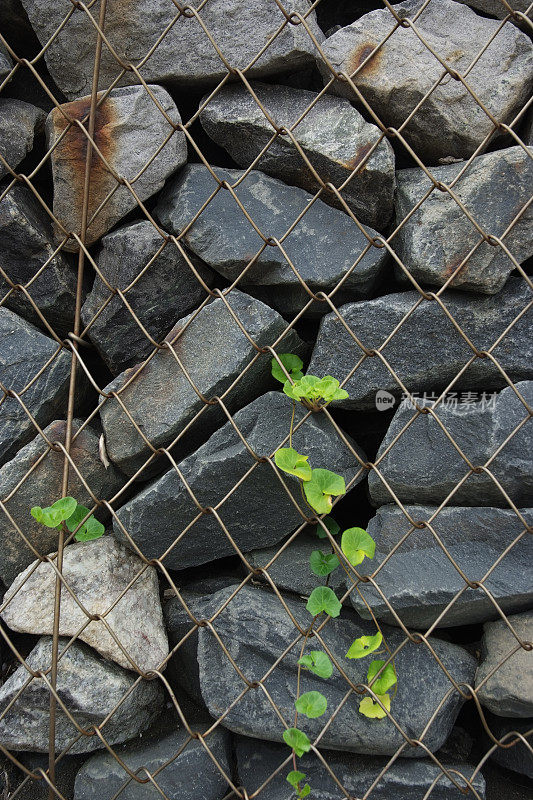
[323,247]
[258,513]
[333,136]
[130,132]
[427,351]
[419,580]
[19,122]
[437,238]
[43,487]
[256,629]
[164,293]
[496,8]
[185,55]
[450,122]
[518,757]
[89,687]
[423,466]
[214,350]
[99,573]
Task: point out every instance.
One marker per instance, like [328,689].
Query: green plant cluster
[73,515]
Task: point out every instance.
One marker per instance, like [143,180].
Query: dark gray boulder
[259,512]
[162,294]
[451,121]
[518,757]
[5,62]
[19,122]
[427,352]
[423,466]
[214,351]
[333,136]
[437,238]
[419,580]
[323,247]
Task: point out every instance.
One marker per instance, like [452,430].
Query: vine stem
[292,422]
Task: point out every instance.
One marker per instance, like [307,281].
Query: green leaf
[305,791]
[74,520]
[318,663]
[312,704]
[364,645]
[330,524]
[320,489]
[386,680]
[324,599]
[294,778]
[288,388]
[54,515]
[290,461]
[66,506]
[323,563]
[372,710]
[293,364]
[91,529]
[297,740]
[356,543]
[330,389]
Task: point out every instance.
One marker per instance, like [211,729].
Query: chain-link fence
[189,191]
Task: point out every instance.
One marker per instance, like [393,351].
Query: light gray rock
[19,122]
[214,351]
[24,351]
[323,246]
[130,130]
[451,122]
[166,291]
[419,580]
[403,780]
[427,352]
[190,774]
[42,486]
[517,758]
[439,236]
[424,466]
[508,692]
[99,573]
[89,687]
[256,629]
[496,8]
[185,55]
[258,513]
[333,135]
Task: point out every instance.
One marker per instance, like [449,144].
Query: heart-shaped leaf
[329,389]
[297,740]
[294,778]
[293,364]
[330,524]
[290,461]
[365,645]
[324,599]
[317,662]
[373,710]
[320,489]
[288,388]
[323,563]
[305,792]
[312,704]
[386,680]
[54,515]
[356,543]
[91,528]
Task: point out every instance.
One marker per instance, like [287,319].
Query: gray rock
[19,122]
[214,350]
[42,471]
[508,692]
[323,247]
[6,63]
[259,512]
[424,466]
[89,687]
[451,122]
[25,247]
[256,630]
[185,55]
[517,758]
[166,291]
[403,780]
[99,573]
[496,8]
[439,236]
[28,788]
[419,580]
[24,351]
[427,352]
[190,774]
[130,130]
[333,135]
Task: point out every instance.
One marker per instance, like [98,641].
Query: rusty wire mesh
[74,344]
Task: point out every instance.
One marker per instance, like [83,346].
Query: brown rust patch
[450,268]
[359,156]
[360,55]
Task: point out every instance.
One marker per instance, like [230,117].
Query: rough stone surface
[37,789]
[333,135]
[419,580]
[98,572]
[18,123]
[25,246]
[185,55]
[517,758]
[439,236]
[192,774]
[89,687]
[214,350]
[394,81]
[256,629]
[424,466]
[165,292]
[427,352]
[130,130]
[5,62]
[405,780]
[24,351]
[323,247]
[509,691]
[259,512]
[496,8]
[42,487]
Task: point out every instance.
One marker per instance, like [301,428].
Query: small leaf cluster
[67,510]
[308,389]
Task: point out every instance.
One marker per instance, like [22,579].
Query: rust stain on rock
[360,155]
[360,55]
